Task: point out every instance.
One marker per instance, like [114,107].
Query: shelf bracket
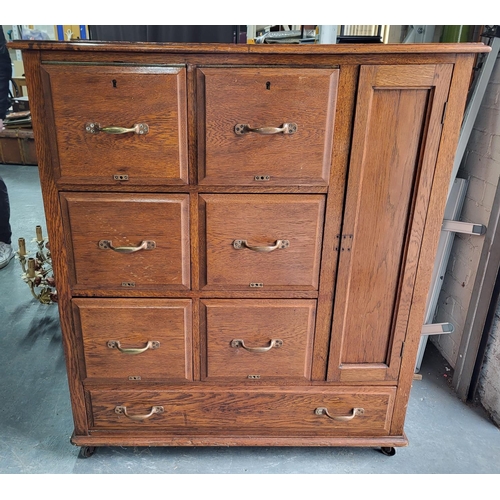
[437,328]
[463,227]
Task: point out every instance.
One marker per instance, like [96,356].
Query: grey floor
[446,436]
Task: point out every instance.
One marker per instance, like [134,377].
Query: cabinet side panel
[447,148]
[47,164]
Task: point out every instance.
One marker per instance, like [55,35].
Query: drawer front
[138,241]
[258,339]
[244,111]
[135,339]
[313,412]
[88,98]
[262,241]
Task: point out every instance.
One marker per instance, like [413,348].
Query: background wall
[482,166]
[489,382]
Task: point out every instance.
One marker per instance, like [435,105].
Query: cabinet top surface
[334,49]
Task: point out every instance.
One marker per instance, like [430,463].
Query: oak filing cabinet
[243,236]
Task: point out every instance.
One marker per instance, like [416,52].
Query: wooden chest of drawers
[243,236]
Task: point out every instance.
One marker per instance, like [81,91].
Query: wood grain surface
[263,97]
[331,50]
[271,412]
[382,183]
[257,323]
[457,94]
[127,221]
[120,96]
[359,192]
[134,323]
[261,220]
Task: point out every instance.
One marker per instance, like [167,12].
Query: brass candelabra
[37,269]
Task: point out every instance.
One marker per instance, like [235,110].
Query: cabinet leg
[86,451]
[390,451]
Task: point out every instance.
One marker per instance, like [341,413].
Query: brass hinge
[402,350]
[344,242]
[444,112]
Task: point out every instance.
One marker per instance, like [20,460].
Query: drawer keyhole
[114,83]
[268,85]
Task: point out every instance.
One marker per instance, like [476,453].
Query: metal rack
[456,194]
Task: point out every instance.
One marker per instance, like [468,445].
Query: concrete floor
[446,436]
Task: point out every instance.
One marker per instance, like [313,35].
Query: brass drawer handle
[355,412]
[240,343]
[137,128]
[115,344]
[239,244]
[286,128]
[145,245]
[122,410]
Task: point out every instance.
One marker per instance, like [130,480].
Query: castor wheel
[86,451]
[390,451]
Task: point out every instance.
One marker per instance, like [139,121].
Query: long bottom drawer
[271,412]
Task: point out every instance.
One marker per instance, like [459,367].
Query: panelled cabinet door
[397,133]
